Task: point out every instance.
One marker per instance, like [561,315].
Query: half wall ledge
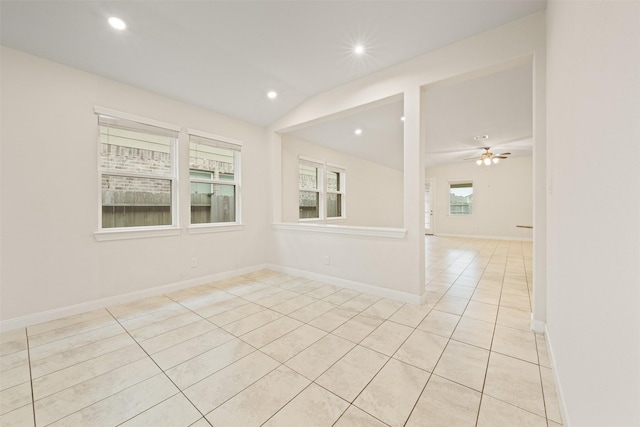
[389,233]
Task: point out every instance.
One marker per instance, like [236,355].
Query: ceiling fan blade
[503,154]
[500,157]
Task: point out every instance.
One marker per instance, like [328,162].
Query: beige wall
[50,193]
[594,208]
[373,192]
[502,199]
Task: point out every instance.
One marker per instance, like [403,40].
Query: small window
[309,177]
[213,175]
[461,198]
[335,193]
[137,173]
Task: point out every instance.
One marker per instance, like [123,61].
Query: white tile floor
[275,350]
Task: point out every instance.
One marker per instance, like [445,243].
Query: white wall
[502,199]
[594,208]
[50,193]
[373,192]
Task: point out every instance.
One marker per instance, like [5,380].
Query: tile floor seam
[368,382]
[99,400]
[191,310]
[88,379]
[544,399]
[486,371]
[240,391]
[63,327]
[33,401]
[516,406]
[161,371]
[298,394]
[79,362]
[71,336]
[148,409]
[413,408]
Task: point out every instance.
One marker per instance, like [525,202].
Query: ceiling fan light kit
[488,158]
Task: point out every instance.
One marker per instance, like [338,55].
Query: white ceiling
[380,141]
[498,105]
[225,55]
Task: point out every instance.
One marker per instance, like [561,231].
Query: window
[461,198]
[321,190]
[335,192]
[137,173]
[214,166]
[309,177]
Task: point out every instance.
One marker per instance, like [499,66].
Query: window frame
[472,207]
[318,165]
[322,188]
[172,176]
[341,190]
[218,141]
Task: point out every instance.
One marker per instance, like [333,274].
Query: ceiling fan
[488,157]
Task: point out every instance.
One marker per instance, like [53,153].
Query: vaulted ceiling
[226,55]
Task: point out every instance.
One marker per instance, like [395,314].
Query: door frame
[431,182]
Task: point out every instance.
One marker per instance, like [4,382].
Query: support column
[540,188]
[414,165]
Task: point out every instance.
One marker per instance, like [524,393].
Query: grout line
[33,398]
[161,370]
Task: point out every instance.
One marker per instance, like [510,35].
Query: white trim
[347,230]
[424,298]
[350,284]
[214,228]
[108,234]
[537,326]
[120,115]
[562,403]
[215,137]
[336,168]
[310,160]
[57,313]
[473,236]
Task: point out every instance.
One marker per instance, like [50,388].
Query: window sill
[336,218]
[321,220]
[135,233]
[391,233]
[214,228]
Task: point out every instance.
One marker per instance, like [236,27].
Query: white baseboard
[57,313]
[562,403]
[538,326]
[350,284]
[474,236]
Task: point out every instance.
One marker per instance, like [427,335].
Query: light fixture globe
[495,160]
[478,162]
[117,23]
[487,161]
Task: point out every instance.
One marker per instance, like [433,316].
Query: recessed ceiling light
[402,118]
[117,23]
[358,49]
[358,132]
[480,137]
[272,94]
